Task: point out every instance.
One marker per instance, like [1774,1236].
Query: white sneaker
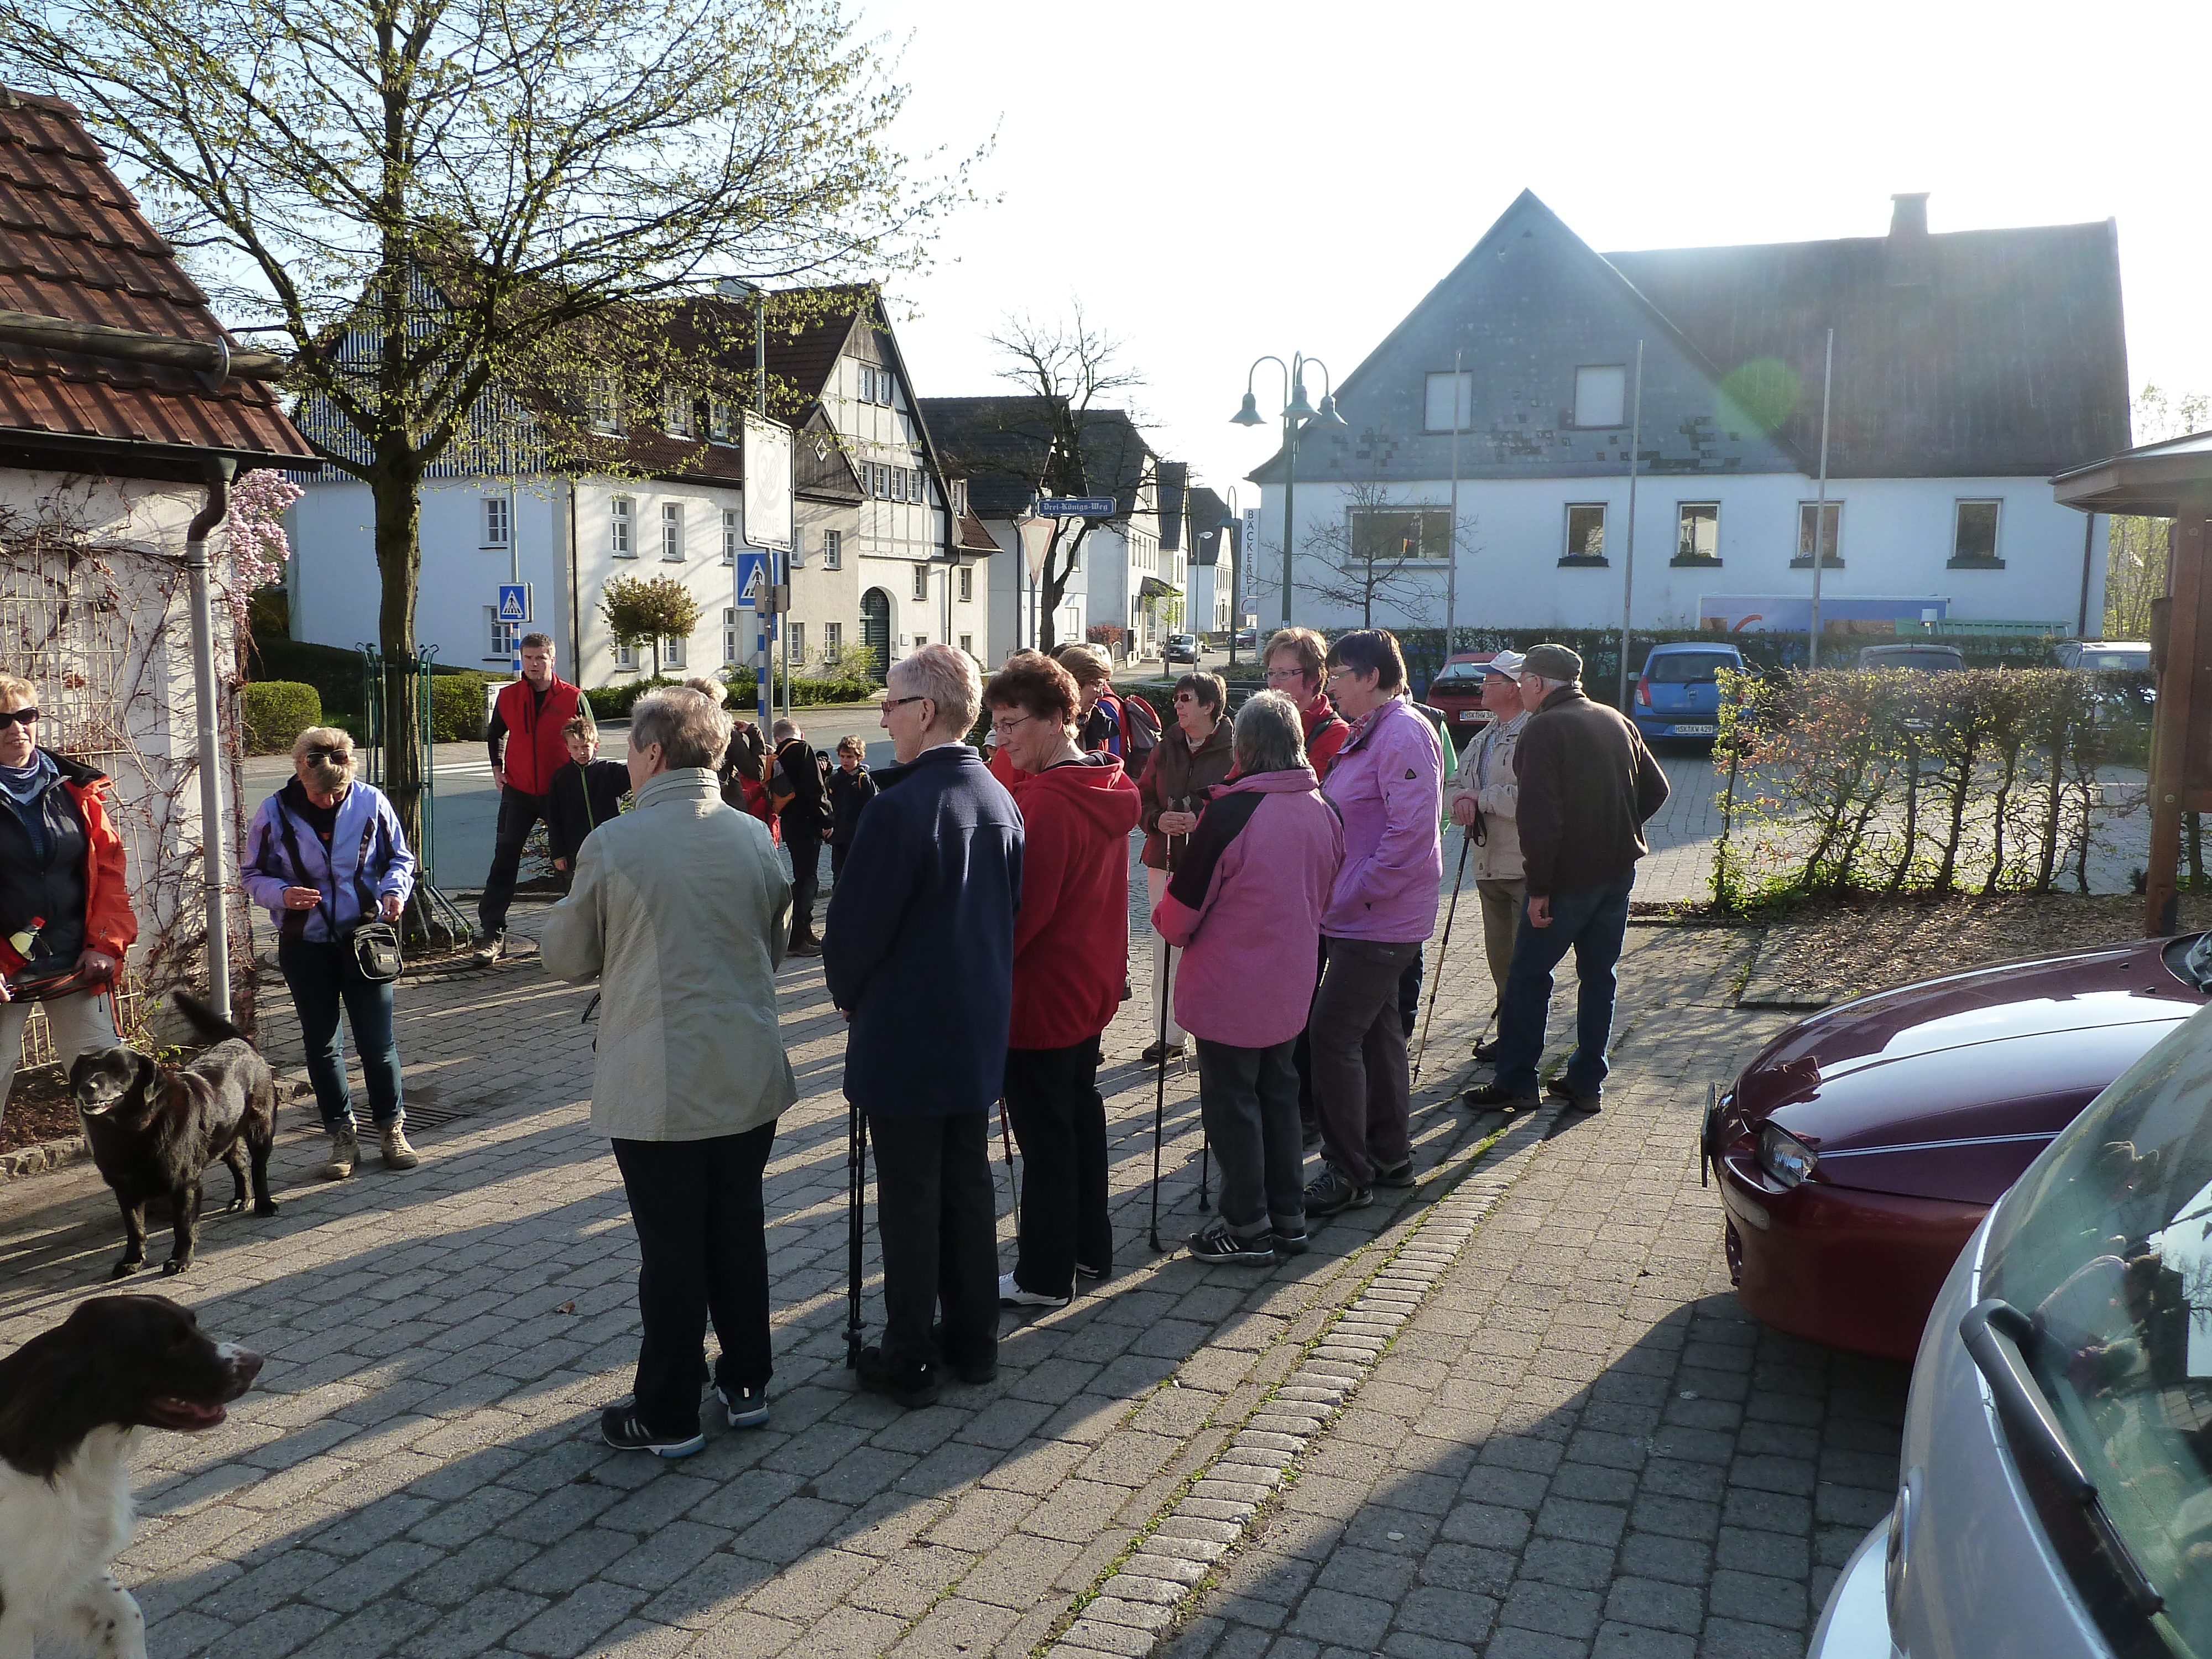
[1011,1295]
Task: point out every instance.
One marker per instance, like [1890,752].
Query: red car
[1457,690]
[1856,1154]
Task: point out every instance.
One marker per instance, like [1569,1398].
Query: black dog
[153,1129]
[73,1402]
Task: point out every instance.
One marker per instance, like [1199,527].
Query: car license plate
[1696,731]
[1466,713]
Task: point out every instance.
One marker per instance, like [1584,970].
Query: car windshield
[1459,674]
[1688,667]
[2106,1246]
[2114,661]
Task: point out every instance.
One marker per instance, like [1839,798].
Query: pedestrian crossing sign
[514,602]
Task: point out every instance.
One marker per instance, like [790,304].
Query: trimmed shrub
[614,702]
[456,707]
[274,712]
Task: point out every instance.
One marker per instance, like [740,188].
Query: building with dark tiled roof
[1969,368]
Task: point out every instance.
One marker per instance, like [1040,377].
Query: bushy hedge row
[614,702]
[274,712]
[335,673]
[1890,781]
[456,707]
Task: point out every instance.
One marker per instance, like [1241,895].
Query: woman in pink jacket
[1388,783]
[1244,905]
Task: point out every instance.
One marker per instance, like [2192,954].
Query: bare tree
[441,201]
[1381,554]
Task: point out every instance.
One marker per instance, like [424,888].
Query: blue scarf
[26,783]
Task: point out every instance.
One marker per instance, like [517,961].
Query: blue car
[1678,695]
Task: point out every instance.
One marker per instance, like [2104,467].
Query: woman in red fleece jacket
[1070,956]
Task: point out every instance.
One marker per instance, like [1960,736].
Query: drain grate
[423,1115]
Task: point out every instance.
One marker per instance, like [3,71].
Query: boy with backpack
[585,794]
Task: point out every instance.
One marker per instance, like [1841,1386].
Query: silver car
[2055,1497]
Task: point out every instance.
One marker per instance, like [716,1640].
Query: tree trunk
[399,566]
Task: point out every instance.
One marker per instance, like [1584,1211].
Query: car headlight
[1786,1160]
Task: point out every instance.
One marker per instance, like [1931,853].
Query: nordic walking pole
[1436,979]
[856,1159]
[1006,1140]
[1160,1104]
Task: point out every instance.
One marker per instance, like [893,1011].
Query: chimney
[1907,259]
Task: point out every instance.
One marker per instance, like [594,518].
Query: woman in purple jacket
[1247,897]
[1388,783]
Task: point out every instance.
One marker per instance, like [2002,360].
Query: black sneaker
[1215,1242]
[1486,1050]
[620,1425]
[972,1373]
[1292,1244]
[1084,1270]
[1158,1051]
[1576,1102]
[1492,1097]
[1398,1175]
[747,1408]
[803,947]
[910,1386]
[1333,1194]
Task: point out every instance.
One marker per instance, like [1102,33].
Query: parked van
[1678,694]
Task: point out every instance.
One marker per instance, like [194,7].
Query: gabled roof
[1175,481]
[1001,442]
[74,245]
[1208,513]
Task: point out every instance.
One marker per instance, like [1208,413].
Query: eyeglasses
[1003,729]
[898,702]
[22,717]
[1284,676]
[329,757]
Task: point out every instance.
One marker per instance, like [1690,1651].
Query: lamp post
[1297,414]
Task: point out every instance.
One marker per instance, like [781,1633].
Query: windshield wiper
[1993,1331]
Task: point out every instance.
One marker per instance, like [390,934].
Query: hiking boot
[1158,1051]
[747,1408]
[1486,1050]
[1493,1097]
[910,1386]
[1334,1192]
[1577,1100]
[1011,1295]
[397,1154]
[621,1428]
[493,948]
[1398,1175]
[1215,1242]
[345,1152]
[803,945]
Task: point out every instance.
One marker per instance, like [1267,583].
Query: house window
[730,634]
[731,538]
[1445,411]
[1394,534]
[886,388]
[867,383]
[671,651]
[506,636]
[960,495]
[921,581]
[798,630]
[1586,531]
[625,655]
[1697,532]
[967,583]
[722,422]
[675,412]
[967,644]
[1600,394]
[1974,534]
[603,403]
[671,531]
[832,641]
[495,524]
[1831,526]
[833,549]
[620,514]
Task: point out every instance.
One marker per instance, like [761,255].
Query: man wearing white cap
[1484,801]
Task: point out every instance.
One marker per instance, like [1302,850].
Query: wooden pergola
[2169,480]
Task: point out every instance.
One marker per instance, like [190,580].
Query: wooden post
[2182,694]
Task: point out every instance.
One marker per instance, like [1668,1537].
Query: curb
[46,1154]
[1146,1593]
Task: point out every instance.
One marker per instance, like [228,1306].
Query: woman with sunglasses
[66,918]
[325,855]
[1192,760]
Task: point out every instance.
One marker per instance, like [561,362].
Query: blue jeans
[1593,921]
[323,978]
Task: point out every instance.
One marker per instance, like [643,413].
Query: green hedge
[614,702]
[456,707]
[277,711]
[333,671]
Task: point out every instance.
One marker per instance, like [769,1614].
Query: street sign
[767,486]
[1036,534]
[514,602]
[1076,507]
[752,576]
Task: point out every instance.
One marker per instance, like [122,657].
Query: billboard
[767,484]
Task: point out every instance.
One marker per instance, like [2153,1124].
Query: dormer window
[675,412]
[603,403]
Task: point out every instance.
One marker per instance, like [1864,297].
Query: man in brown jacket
[1588,785]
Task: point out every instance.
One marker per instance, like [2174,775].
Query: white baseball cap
[1507,663]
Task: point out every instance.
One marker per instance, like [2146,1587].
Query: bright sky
[1216,181]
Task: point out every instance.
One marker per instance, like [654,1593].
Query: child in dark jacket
[851,787]
[586,793]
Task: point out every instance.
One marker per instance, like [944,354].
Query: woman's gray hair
[690,731]
[1270,736]
[948,678]
[707,686]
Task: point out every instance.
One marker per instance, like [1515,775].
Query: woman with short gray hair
[678,915]
[1245,906]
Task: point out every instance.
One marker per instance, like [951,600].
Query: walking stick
[1436,979]
[1159,1106]
[1006,1140]
[856,1161]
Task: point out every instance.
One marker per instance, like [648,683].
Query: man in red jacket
[529,747]
[1071,954]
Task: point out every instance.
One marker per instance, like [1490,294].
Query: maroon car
[1457,690]
[1856,1154]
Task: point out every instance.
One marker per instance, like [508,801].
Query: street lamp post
[1297,414]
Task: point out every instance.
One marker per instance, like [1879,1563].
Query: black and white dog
[153,1129]
[73,1402]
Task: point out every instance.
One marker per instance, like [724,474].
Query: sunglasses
[23,717]
[329,757]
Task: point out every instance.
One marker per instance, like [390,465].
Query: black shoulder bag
[374,943]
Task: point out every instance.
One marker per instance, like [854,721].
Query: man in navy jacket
[919,959]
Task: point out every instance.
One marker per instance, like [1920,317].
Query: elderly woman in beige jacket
[678,915]
[1485,800]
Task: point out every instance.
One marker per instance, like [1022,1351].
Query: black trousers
[803,837]
[703,1249]
[838,851]
[518,814]
[1059,1119]
[939,1226]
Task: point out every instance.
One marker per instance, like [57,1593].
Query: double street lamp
[1297,415]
